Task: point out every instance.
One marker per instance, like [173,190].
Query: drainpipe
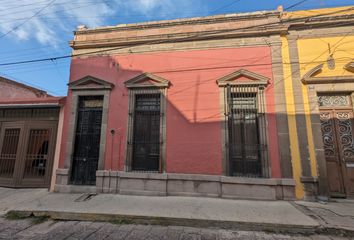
[110,169]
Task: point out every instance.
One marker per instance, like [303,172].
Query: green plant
[121,221]
[13,215]
[39,219]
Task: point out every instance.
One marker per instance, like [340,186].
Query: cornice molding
[184,21]
[175,37]
[325,80]
[327,22]
[278,26]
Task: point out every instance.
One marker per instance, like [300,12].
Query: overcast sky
[32,29]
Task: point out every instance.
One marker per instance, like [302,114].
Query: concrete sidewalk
[280,216]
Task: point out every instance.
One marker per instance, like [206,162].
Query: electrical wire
[227,66]
[306,16]
[295,5]
[162,41]
[30,18]
[223,7]
[85,4]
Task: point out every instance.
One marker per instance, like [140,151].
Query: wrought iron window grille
[146,130]
[246,128]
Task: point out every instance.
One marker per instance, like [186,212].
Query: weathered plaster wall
[193,143]
[12,91]
[303,51]
[313,51]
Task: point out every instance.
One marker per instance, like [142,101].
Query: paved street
[70,230]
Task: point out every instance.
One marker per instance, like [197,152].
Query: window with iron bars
[246,131]
[145,134]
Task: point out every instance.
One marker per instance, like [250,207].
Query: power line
[243,65]
[298,19]
[35,8]
[295,5]
[74,8]
[14,6]
[166,41]
[208,67]
[34,15]
[225,6]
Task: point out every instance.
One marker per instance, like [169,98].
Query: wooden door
[334,165]
[337,132]
[344,130]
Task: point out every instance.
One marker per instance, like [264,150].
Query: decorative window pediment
[243,77]
[147,80]
[90,83]
[349,67]
[313,72]
[311,76]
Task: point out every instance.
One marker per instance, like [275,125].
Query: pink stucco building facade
[146,115]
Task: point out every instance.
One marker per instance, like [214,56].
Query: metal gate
[247,134]
[337,123]
[9,150]
[26,153]
[87,140]
[146,133]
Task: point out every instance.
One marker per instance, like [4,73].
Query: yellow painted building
[318,70]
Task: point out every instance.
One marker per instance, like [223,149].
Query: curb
[325,227]
[167,221]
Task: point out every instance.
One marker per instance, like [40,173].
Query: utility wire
[223,7]
[212,67]
[73,4]
[295,5]
[166,41]
[22,5]
[82,6]
[34,15]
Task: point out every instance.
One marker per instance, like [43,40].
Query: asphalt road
[38,228]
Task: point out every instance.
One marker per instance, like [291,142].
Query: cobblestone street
[38,229]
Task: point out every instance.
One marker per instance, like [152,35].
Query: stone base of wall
[170,184]
[62,184]
[310,188]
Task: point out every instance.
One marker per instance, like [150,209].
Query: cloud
[48,22]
